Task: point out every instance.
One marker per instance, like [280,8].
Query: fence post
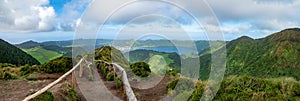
[80,70]
[73,79]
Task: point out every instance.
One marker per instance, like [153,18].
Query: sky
[45,20]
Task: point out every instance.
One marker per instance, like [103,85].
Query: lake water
[169,49]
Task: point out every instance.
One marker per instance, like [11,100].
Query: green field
[159,64]
[41,54]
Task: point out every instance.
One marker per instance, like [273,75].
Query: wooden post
[114,71]
[80,70]
[73,79]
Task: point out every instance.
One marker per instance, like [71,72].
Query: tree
[140,69]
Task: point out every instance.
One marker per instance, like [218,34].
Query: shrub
[118,82]
[61,64]
[172,84]
[183,96]
[181,85]
[29,69]
[2,65]
[170,72]
[69,91]
[7,76]
[110,76]
[140,69]
[46,96]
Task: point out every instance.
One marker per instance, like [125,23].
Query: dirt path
[146,83]
[155,93]
[94,90]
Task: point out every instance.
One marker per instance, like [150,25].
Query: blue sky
[58,5]
[44,20]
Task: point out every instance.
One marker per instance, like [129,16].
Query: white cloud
[235,16]
[72,11]
[26,16]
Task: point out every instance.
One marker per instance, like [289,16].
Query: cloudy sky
[42,20]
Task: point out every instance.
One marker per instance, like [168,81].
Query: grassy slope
[159,63]
[41,54]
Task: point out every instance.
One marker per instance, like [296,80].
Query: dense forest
[13,55]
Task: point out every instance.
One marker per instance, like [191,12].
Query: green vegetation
[41,54]
[61,64]
[158,65]
[46,96]
[7,76]
[118,82]
[2,65]
[65,93]
[13,55]
[274,56]
[110,76]
[29,69]
[69,93]
[171,59]
[250,88]
[111,54]
[140,69]
[181,84]
[8,73]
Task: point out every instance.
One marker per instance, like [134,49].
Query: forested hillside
[274,56]
[13,55]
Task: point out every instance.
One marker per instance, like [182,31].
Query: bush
[61,64]
[103,68]
[110,76]
[46,96]
[7,76]
[28,69]
[140,69]
[8,73]
[172,84]
[181,85]
[69,91]
[118,82]
[2,65]
[183,96]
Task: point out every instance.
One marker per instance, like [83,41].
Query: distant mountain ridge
[13,55]
[292,34]
[28,44]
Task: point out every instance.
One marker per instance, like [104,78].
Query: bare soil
[17,90]
[155,93]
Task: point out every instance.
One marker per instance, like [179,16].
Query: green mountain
[111,54]
[11,54]
[274,56]
[28,44]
